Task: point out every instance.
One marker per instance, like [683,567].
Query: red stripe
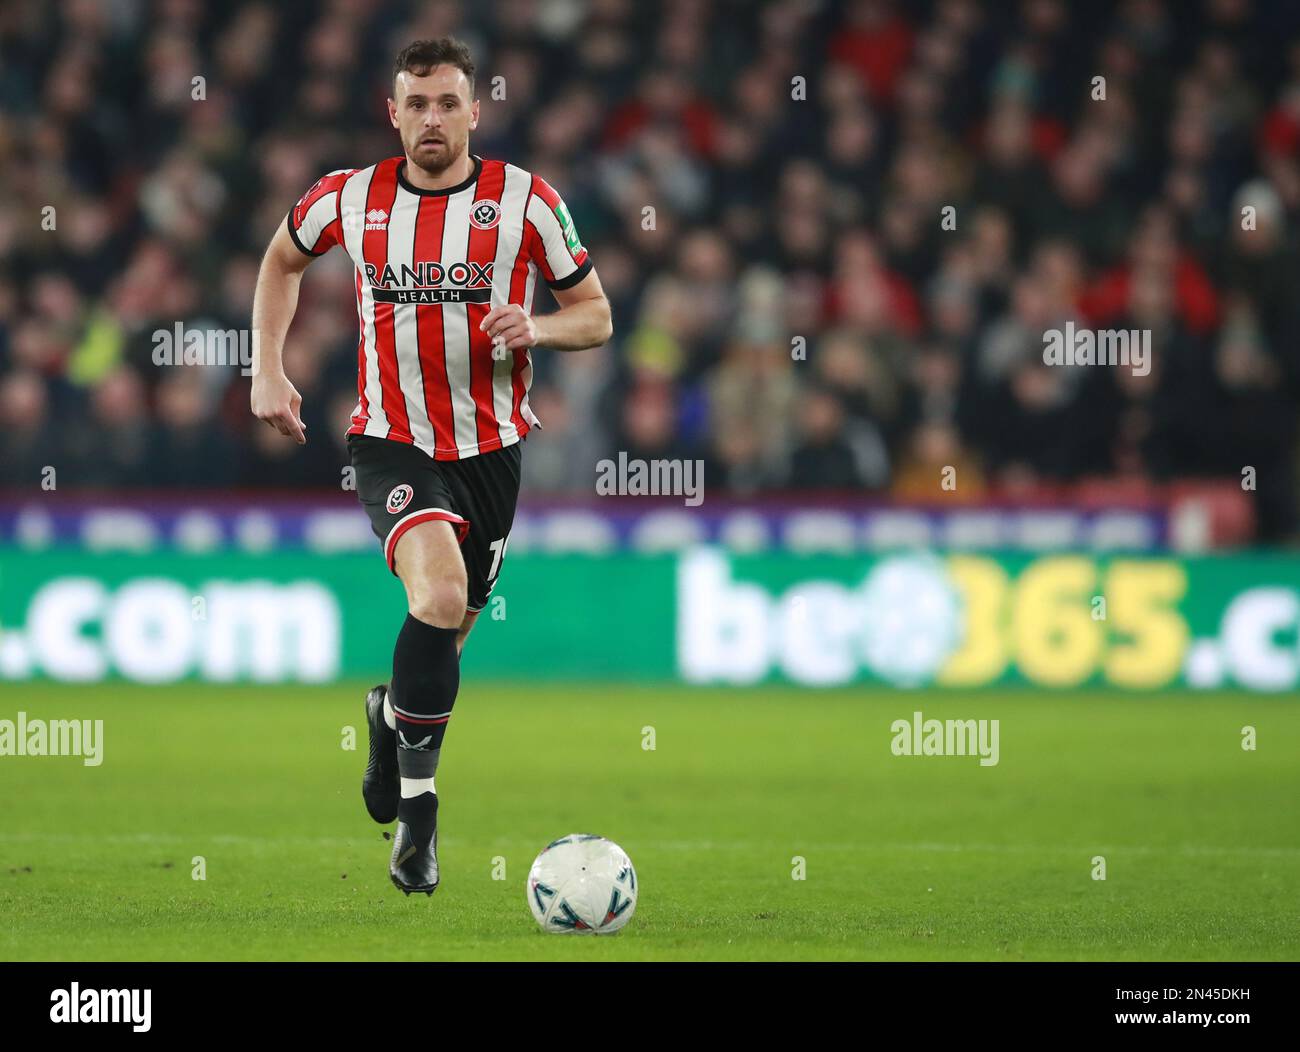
[482,249]
[362,416]
[411,719]
[539,255]
[329,237]
[518,391]
[546,192]
[374,249]
[331,234]
[429,225]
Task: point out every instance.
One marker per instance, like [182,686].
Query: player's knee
[439,602]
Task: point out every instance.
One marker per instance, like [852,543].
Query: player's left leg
[445,528]
[426,679]
[424,670]
[411,510]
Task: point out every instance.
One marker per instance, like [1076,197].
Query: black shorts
[401,486]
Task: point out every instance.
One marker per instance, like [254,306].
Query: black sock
[426,676]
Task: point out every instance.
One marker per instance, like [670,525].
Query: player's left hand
[511,324]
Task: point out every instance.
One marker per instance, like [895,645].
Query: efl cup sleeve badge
[398,498]
[485,214]
[571,240]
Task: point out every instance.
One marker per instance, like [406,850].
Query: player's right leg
[466,626]
[426,678]
[380,784]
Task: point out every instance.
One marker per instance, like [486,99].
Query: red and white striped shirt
[430,264]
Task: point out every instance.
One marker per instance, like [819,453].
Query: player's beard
[437,160]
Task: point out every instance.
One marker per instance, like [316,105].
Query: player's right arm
[312,227]
[274,399]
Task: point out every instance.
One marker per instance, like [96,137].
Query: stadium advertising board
[706,616]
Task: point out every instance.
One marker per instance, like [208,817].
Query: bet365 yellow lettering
[1152,638]
[1057,643]
[982,656]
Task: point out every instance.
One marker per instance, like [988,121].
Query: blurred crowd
[833,233]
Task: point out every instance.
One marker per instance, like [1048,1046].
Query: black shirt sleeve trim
[288,221]
[574,278]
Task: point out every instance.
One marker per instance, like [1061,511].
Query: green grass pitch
[905,858]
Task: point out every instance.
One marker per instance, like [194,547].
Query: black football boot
[380,786]
[414,865]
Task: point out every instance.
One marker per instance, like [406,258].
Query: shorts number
[498,550]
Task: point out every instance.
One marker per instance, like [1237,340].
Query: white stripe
[510,237]
[412,787]
[318,217]
[352,210]
[525,410]
[455,328]
[530,283]
[553,243]
[422,715]
[352,205]
[377,419]
[526,374]
[401,250]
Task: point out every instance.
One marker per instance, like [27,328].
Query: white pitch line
[678,845]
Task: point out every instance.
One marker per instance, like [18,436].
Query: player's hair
[420,56]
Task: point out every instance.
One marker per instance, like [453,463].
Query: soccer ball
[582,883]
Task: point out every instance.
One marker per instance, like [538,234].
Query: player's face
[434,115]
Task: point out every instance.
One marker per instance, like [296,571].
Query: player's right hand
[275,400]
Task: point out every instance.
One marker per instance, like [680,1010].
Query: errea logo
[376,219]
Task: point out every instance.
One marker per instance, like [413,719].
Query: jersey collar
[473,178]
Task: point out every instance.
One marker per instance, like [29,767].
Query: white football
[582,883]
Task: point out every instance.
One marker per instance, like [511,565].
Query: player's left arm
[582,321]
[557,253]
